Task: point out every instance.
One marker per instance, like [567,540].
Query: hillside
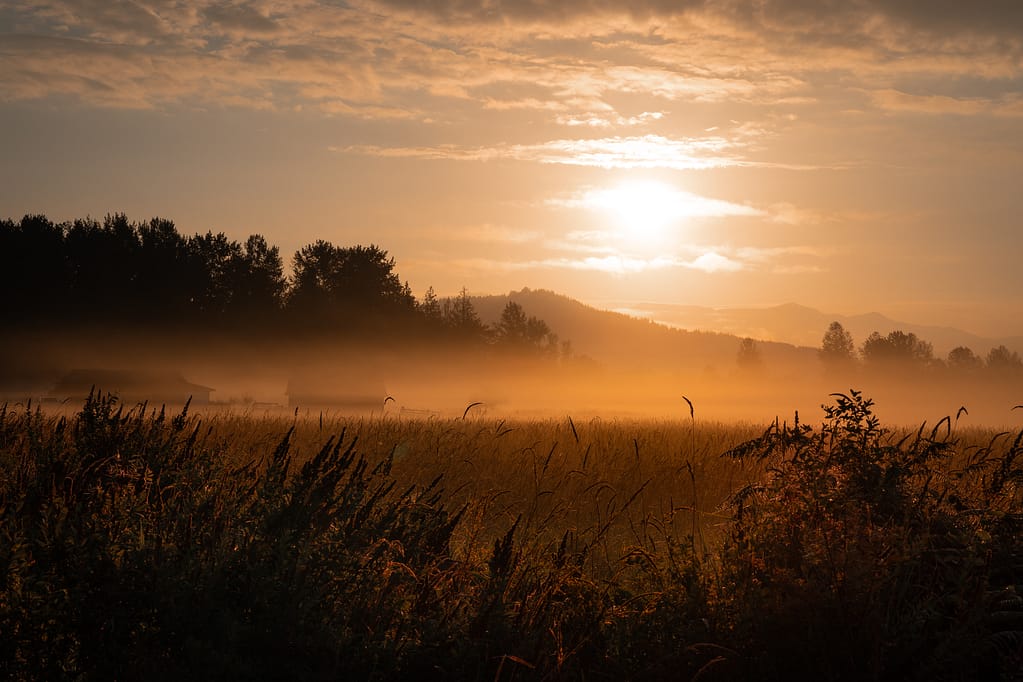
[804,326]
[628,342]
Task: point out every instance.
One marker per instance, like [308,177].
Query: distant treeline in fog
[147,275]
[899,349]
[119,274]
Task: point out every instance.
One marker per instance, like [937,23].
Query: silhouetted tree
[517,331]
[33,269]
[837,349]
[313,271]
[461,317]
[334,283]
[962,358]
[513,327]
[748,356]
[162,266]
[258,282]
[897,348]
[1003,360]
[102,262]
[214,262]
[430,306]
[566,352]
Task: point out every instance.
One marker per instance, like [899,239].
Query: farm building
[131,386]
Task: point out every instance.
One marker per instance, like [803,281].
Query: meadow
[138,543]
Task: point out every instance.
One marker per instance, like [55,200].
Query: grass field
[137,544]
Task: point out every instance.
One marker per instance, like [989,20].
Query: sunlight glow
[643,211]
[643,208]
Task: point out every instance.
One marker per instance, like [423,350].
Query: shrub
[134,547]
[853,560]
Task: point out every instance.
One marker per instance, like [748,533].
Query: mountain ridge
[790,329]
[805,326]
[628,341]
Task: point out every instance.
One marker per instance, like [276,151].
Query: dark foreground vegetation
[137,545]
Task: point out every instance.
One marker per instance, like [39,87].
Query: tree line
[899,349]
[121,273]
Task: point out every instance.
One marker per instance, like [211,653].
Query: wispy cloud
[583,58]
[584,251]
[902,102]
[789,214]
[609,121]
[654,200]
[646,151]
[712,261]
[709,262]
[611,264]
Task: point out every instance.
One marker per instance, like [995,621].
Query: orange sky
[852,156]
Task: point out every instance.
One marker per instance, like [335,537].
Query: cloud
[658,200]
[789,214]
[611,264]
[901,102]
[993,17]
[536,11]
[595,65]
[579,255]
[609,121]
[241,19]
[646,151]
[712,261]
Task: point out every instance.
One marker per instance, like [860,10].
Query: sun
[642,212]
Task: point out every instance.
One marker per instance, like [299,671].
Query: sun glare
[641,211]
[646,214]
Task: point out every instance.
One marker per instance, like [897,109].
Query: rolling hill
[629,342]
[664,335]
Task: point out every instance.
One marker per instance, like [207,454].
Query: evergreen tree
[461,317]
[430,306]
[517,331]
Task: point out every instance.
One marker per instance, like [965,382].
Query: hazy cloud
[609,121]
[668,203]
[646,151]
[994,17]
[243,19]
[712,261]
[498,234]
[897,101]
[790,214]
[313,53]
[612,264]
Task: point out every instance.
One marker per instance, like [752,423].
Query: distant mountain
[681,336]
[803,326]
[627,341]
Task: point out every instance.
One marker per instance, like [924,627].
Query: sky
[850,155]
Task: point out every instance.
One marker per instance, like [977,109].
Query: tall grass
[135,544]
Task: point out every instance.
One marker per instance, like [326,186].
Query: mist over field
[429,380]
[148,314]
